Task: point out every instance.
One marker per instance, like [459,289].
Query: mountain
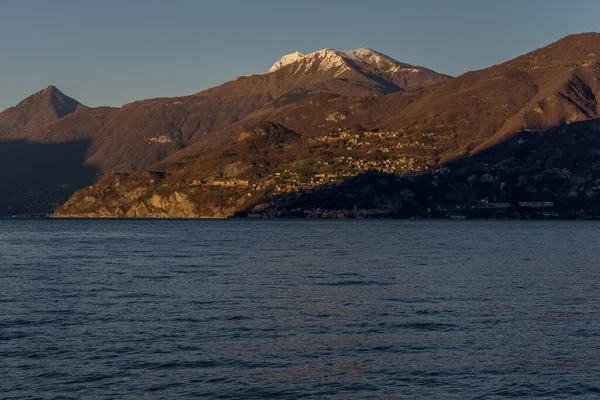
[554,85]
[353,73]
[309,145]
[142,133]
[145,132]
[37,111]
[43,146]
[403,75]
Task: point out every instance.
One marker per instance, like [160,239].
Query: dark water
[299,309]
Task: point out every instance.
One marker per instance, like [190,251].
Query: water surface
[299,309]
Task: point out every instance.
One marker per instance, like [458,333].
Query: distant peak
[363,54]
[363,60]
[324,51]
[297,56]
[49,100]
[365,51]
[287,59]
[49,90]
[368,55]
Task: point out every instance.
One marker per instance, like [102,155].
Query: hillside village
[340,155]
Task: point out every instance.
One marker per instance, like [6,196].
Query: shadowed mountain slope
[549,174]
[38,177]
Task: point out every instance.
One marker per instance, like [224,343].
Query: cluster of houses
[231,182]
[356,137]
[323,172]
[367,138]
[403,164]
[160,139]
[219,182]
[396,142]
[338,168]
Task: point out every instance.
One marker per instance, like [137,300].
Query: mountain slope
[553,85]
[403,75]
[374,72]
[142,133]
[43,148]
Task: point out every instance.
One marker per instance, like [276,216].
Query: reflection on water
[299,309]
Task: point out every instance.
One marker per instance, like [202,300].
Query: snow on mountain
[327,59]
[369,55]
[380,61]
[287,59]
[360,72]
[330,58]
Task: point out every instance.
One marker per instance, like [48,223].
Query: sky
[112,52]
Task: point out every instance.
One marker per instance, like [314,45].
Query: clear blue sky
[111,52]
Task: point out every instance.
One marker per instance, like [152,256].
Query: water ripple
[299,309]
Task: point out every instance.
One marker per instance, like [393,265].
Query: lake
[297,309]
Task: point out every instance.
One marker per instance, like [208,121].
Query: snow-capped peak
[328,59]
[287,59]
[381,62]
[369,56]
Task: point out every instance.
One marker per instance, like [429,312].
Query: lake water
[299,309]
